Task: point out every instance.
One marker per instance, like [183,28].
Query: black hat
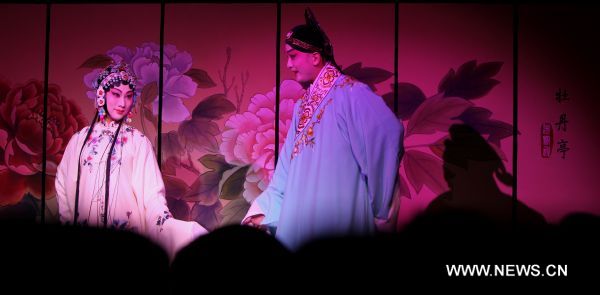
[310,38]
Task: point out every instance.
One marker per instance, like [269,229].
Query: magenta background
[433,38]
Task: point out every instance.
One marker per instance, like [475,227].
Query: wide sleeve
[375,137]
[269,201]
[66,181]
[149,188]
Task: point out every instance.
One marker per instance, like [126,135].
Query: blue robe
[338,173]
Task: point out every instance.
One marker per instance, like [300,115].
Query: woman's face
[119,101]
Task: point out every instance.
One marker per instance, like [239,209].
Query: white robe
[137,192]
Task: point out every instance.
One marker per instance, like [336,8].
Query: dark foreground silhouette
[89,260]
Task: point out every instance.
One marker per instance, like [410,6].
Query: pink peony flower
[21,129]
[249,138]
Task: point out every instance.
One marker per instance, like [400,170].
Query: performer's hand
[255,221]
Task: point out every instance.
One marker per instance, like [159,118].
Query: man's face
[305,66]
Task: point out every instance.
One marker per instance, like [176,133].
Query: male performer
[337,169]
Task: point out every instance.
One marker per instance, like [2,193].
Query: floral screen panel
[218,124]
[86,38]
[218,135]
[455,100]
[22,34]
[558,109]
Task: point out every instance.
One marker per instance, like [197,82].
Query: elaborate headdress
[112,76]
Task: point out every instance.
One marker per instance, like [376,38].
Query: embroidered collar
[109,125]
[314,96]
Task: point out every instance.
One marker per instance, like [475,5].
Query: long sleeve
[375,136]
[269,201]
[149,188]
[66,180]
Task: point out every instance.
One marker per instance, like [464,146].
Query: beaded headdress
[112,76]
